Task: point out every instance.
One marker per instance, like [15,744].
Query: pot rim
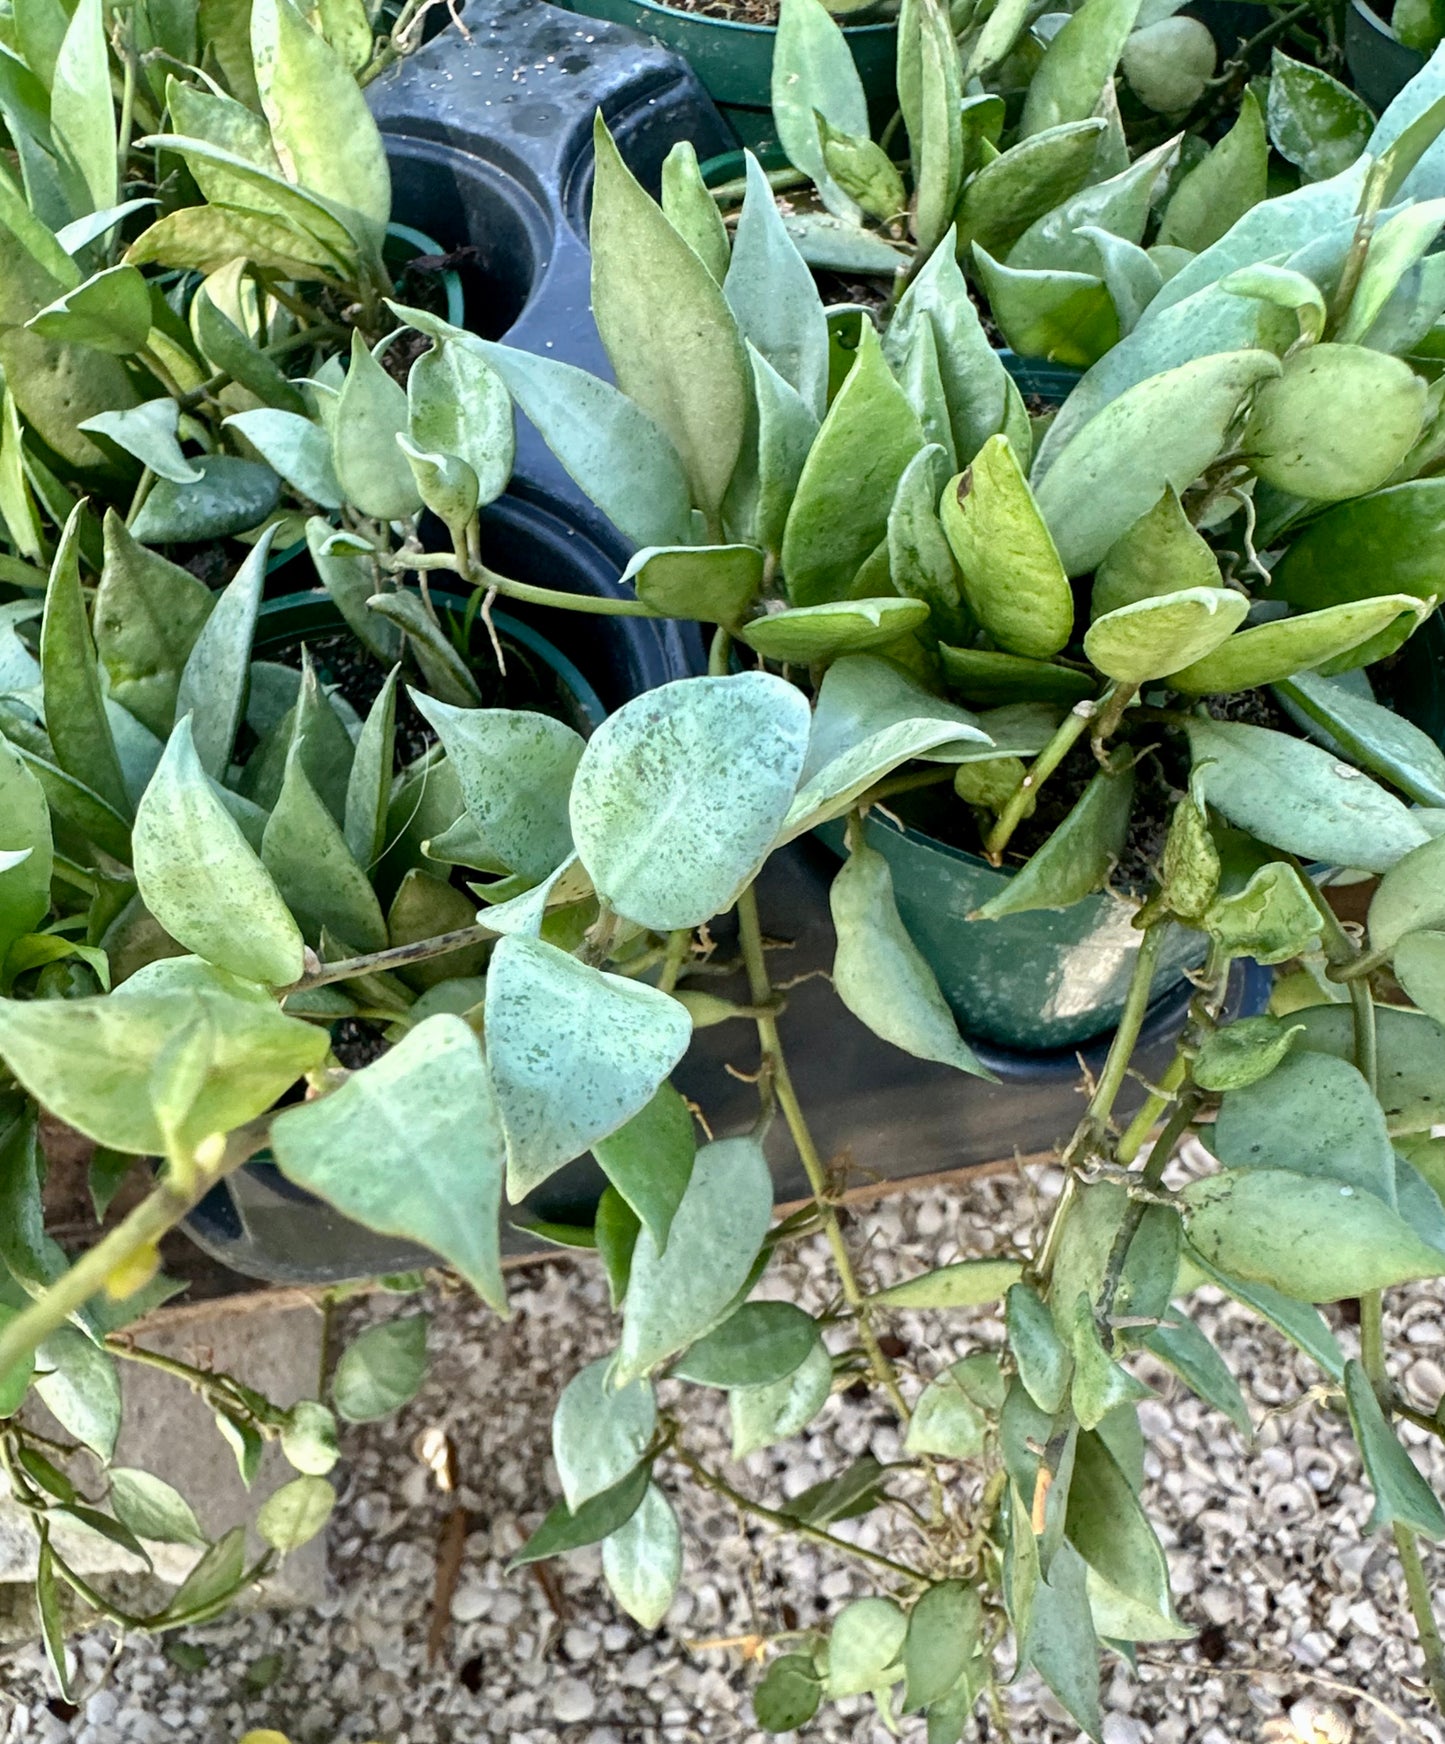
[880,28]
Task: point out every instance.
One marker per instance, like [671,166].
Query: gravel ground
[1301,1635]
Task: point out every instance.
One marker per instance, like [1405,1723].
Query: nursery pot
[1039,379]
[257,1222]
[1415,680]
[735,61]
[1380,64]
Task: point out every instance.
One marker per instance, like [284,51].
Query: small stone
[573,1702]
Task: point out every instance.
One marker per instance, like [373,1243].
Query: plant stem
[776,1071]
[1069,731]
[1418,1586]
[731,193]
[678,944]
[478,575]
[1149,1176]
[785,1523]
[394,957]
[151,1219]
[1132,1139]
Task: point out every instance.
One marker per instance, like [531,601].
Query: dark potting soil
[357,1042]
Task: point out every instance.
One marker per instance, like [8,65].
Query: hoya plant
[182,245]
[1078,158]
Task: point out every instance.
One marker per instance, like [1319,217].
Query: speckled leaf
[1298,797]
[460,407]
[1077,857]
[306,855]
[773,296]
[368,784]
[296,448]
[1420,969]
[1155,637]
[201,880]
[840,512]
[1369,734]
[599,1431]
[110,312]
[82,110]
[677,1294]
[70,676]
[642,1560]
[1271,652]
[212,687]
[763,1416]
[661,820]
[758,1344]
[692,211]
[716,583]
[1320,125]
[372,411]
[1077,64]
[804,635]
[813,73]
[1012,577]
[232,496]
[574,1053]
[148,432]
[1411,896]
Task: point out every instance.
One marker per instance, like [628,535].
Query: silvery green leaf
[351,578]
[82,111]
[80,1385]
[762,1416]
[202,881]
[1033,177]
[148,432]
[1298,797]
[81,232]
[939,147]
[110,312]
[1164,432]
[70,677]
[1402,1494]
[1320,125]
[692,211]
[1411,897]
[920,560]
[774,298]
[294,447]
[600,1431]
[306,855]
[813,73]
[882,976]
[808,635]
[682,1291]
[1224,185]
[574,1053]
[382,1369]
[212,688]
[668,832]
[1152,638]
[1077,857]
[1077,64]
[1394,249]
[447,486]
[460,407]
[642,1560]
[1132,279]
[864,1647]
[716,583]
[609,446]
[666,327]
[233,496]
[1120,206]
[786,433]
[152,1508]
[830,244]
[371,470]
[1068,317]
[369,780]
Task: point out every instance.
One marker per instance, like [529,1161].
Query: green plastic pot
[1033,983]
[1380,64]
[735,61]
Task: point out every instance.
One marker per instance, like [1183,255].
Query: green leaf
[1411,1059]
[1068,238]
[74,704]
[24,831]
[1077,857]
[661,823]
[1298,797]
[574,1053]
[786,433]
[1230,179]
[460,407]
[202,881]
[306,856]
[864,1646]
[1243,1052]
[80,1386]
[308,1438]
[1161,433]
[214,1581]
[1337,423]
[1271,919]
[943,1634]
[936,136]
[789,1694]
[1302,1325]
[109,312]
[1108,1528]
[562,1530]
[839,514]
[1061,1643]
[1320,125]
[863,170]
[1411,897]
[368,784]
[870,718]
[245,1442]
[1182,1347]
[946,1420]
[411,1145]
[1394,250]
[691,209]
[52,1621]
[611,448]
[148,614]
[773,296]
[1067,317]
[1420,968]
[1385,543]
[881,975]
[805,635]
[1153,638]
[857,1491]
[442,667]
[1100,1385]
[616,1230]
[716,583]
[763,1416]
[1375,737]
[813,74]
[600,1432]
[382,1369]
[1077,64]
[920,560]
[964,1284]
[1313,1239]
[1402,1496]
[90,1060]
[294,1514]
[1272,652]
[82,110]
[678,1293]
[649,1160]
[986,677]
[1044,1361]
[371,413]
[1314,1115]
[642,1560]
[1033,177]
[230,350]
[1159,555]
[667,330]
[296,448]
[757,1345]
[233,496]
[1013,580]
[312,100]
